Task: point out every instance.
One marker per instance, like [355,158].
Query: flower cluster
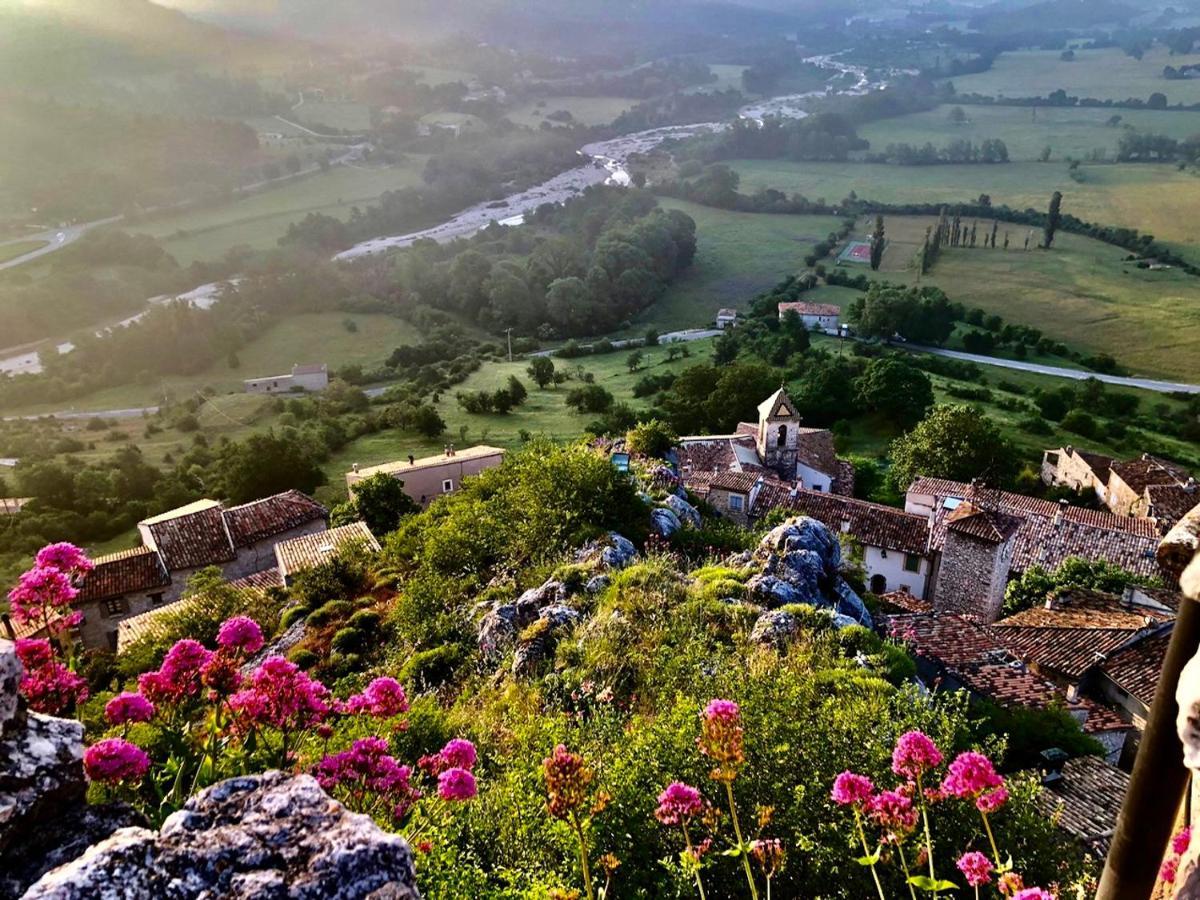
[976,868]
[240,635]
[1179,846]
[366,774]
[973,777]
[852,789]
[179,676]
[722,738]
[113,760]
[568,780]
[382,698]
[914,755]
[282,696]
[43,594]
[678,803]
[127,708]
[48,685]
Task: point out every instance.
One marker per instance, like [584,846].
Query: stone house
[309,378]
[308,551]
[429,477]
[726,318]
[1140,487]
[1076,469]
[239,540]
[823,317]
[976,554]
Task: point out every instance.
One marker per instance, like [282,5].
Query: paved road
[55,238]
[131,412]
[1147,384]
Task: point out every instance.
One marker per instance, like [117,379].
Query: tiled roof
[814,448]
[1167,597]
[1015,685]
[952,640]
[196,537]
[1076,608]
[311,550]
[873,524]
[1049,533]
[1086,800]
[139,569]
[810,309]
[726,313]
[904,602]
[1098,462]
[1067,651]
[308,369]
[252,522]
[740,482]
[1146,470]
[985,524]
[1136,668]
[1171,502]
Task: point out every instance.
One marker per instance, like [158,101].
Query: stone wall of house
[1121,498]
[718,498]
[972,576]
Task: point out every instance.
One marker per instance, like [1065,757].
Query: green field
[727,77]
[1156,199]
[1103,74]
[585,110]
[19,248]
[1067,131]
[737,255]
[343,115]
[435,75]
[260,219]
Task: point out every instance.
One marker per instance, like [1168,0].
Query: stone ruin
[260,836]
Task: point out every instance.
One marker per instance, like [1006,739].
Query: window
[912,562]
[115,606]
[735,502]
[157,599]
[781,438]
[447,486]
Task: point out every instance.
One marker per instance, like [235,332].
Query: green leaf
[925,883]
[1007,867]
[868,860]
[732,851]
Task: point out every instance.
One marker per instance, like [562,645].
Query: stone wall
[971,577]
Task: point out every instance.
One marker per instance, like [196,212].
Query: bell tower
[778,434]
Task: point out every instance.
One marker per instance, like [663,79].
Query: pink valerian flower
[53,689]
[41,594]
[282,696]
[894,811]
[459,753]
[914,755]
[769,855]
[65,557]
[113,760]
[367,772]
[240,634]
[568,780]
[852,789]
[992,800]
[456,785]
[1010,883]
[1181,841]
[383,698]
[1034,893]
[976,868]
[221,674]
[722,738]
[127,708]
[155,688]
[181,668]
[1169,870]
[678,803]
[970,775]
[34,652]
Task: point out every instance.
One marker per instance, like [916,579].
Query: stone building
[1078,470]
[1137,486]
[823,317]
[314,377]
[427,478]
[308,551]
[977,552]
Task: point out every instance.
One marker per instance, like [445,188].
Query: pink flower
[991,801]
[1033,893]
[128,707]
[41,593]
[365,772]
[976,868]
[721,738]
[240,633]
[1182,840]
[852,789]
[155,688]
[281,695]
[64,557]
[383,698]
[53,689]
[678,803]
[221,674]
[725,710]
[456,784]
[181,668]
[113,759]
[459,753]
[1169,869]
[34,652]
[970,775]
[893,810]
[915,754]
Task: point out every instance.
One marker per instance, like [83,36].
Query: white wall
[812,479]
[891,567]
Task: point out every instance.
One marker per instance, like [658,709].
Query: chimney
[354,467]
[1058,513]
[1053,759]
[412,460]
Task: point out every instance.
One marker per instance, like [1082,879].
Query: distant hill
[1049,15]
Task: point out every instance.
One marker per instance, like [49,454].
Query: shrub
[303,657]
[348,640]
[329,612]
[291,616]
[432,668]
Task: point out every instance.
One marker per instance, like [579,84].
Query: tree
[502,401]
[517,390]
[956,442]
[380,502]
[653,438]
[725,349]
[1157,100]
[957,116]
[651,339]
[1032,586]
[590,398]
[877,242]
[265,464]
[541,370]
[634,360]
[426,420]
[895,389]
[1053,218]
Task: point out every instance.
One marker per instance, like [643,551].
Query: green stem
[687,839]
[991,839]
[862,836]
[737,831]
[928,836]
[583,857]
[907,875]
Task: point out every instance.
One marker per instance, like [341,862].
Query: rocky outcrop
[260,836]
[684,511]
[536,648]
[613,551]
[664,522]
[775,627]
[500,625]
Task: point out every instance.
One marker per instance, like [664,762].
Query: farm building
[426,478]
[313,377]
[815,316]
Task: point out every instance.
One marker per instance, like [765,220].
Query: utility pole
[508,331]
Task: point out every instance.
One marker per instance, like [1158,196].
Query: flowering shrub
[894,816]
[1179,846]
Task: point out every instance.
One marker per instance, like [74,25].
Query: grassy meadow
[584,110]
[19,248]
[1107,74]
[343,115]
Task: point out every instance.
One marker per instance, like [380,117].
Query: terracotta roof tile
[985,524]
[810,309]
[741,482]
[1136,668]
[1086,800]
[193,539]
[1171,502]
[307,551]
[252,522]
[138,569]
[1067,651]
[1075,608]
[872,524]
[904,602]
[814,448]
[1146,470]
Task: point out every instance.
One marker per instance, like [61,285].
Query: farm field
[728,76]
[1107,74]
[1067,131]
[585,110]
[737,255]
[338,114]
[1158,199]
[259,220]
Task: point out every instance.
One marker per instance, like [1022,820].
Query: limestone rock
[497,630]
[803,533]
[41,773]
[771,591]
[850,604]
[11,714]
[774,627]
[260,836]
[612,551]
[664,522]
[552,622]
[530,603]
[683,510]
[597,583]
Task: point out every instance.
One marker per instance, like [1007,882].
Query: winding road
[55,239]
